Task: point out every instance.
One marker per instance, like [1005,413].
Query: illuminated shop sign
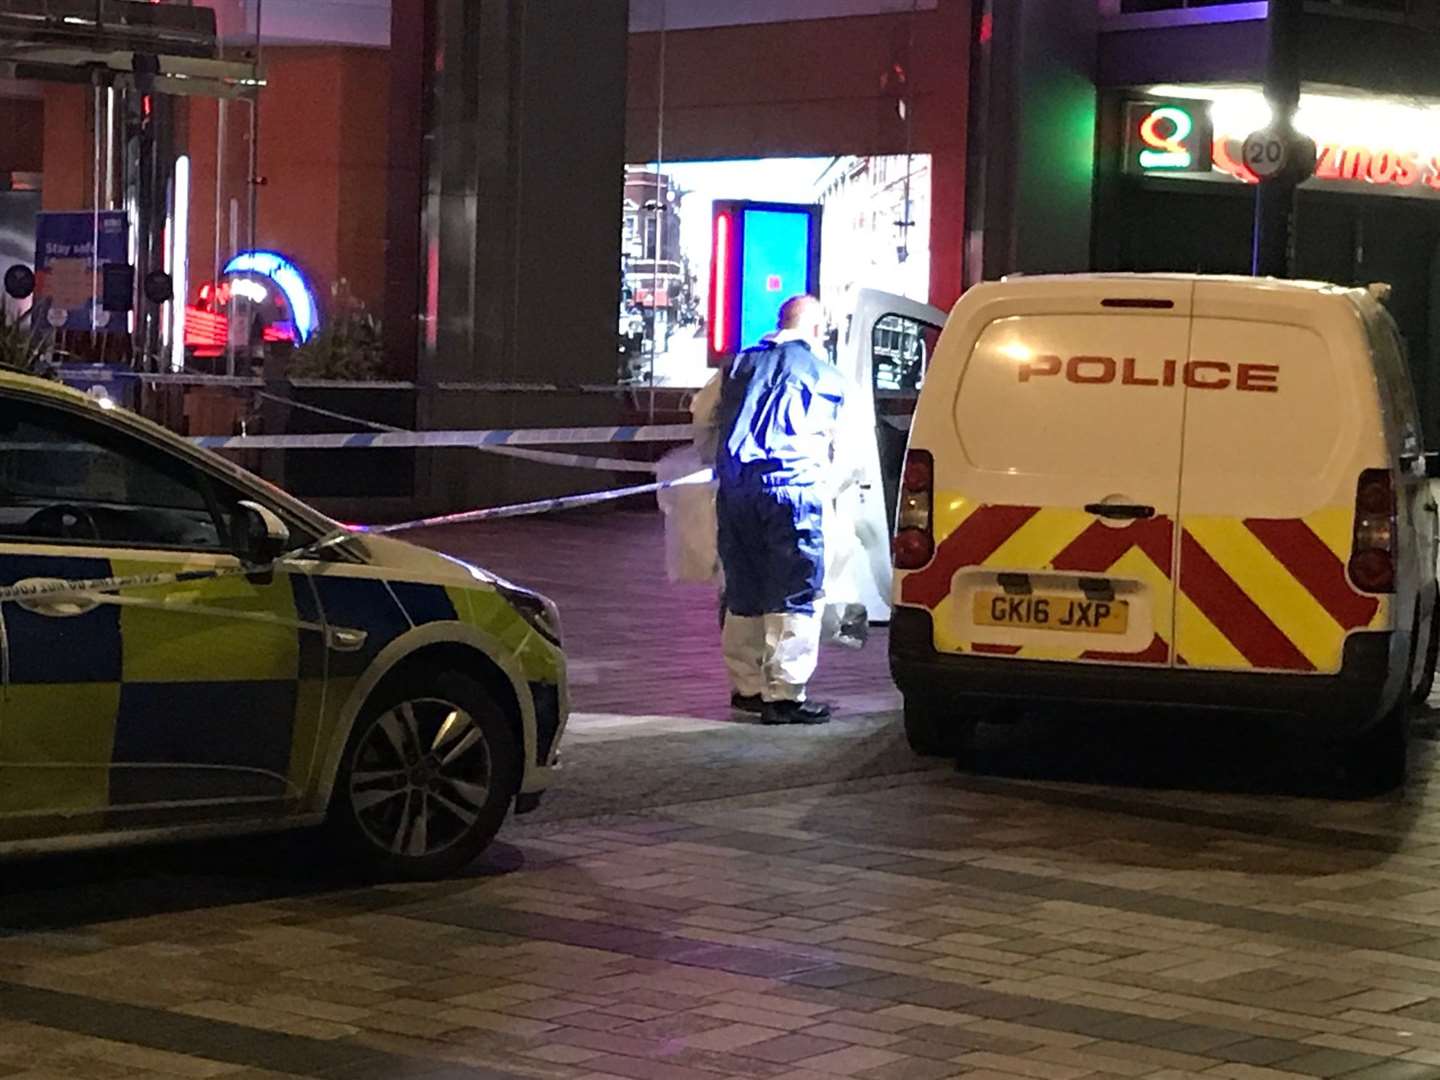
[1379,165]
[1165,137]
[1362,144]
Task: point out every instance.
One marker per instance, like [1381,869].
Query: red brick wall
[203,148]
[324,200]
[23,147]
[364,165]
[68,149]
[322,153]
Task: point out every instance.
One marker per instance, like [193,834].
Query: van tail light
[1372,554]
[914,531]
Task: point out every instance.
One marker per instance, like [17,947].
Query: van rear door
[1281,418]
[889,342]
[1056,473]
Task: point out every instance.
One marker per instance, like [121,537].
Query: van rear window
[1287,434]
[1073,395]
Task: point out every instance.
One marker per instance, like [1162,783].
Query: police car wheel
[428,776]
[936,732]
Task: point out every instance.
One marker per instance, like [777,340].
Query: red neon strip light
[204,329]
[719,331]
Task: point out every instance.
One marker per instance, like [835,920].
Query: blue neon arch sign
[289,279]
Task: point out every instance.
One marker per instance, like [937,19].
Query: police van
[1170,491]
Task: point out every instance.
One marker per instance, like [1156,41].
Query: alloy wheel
[421,777]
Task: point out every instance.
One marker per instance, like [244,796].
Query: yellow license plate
[1041,612]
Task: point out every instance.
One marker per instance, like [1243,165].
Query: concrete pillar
[515,241]
[411,57]
[524,165]
[1033,116]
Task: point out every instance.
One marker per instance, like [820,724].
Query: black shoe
[751,703]
[795,712]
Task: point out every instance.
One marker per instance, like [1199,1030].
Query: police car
[239,662]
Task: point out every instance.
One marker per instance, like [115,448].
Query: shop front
[1175,192]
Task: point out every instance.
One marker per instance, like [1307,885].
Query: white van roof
[1178,293]
[1090,279]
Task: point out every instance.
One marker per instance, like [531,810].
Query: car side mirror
[262,536]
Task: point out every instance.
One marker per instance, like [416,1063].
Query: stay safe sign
[71,249]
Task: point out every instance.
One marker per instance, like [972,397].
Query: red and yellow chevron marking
[1253,594]
[1270,593]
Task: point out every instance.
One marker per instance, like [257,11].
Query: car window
[1392,355]
[900,351]
[66,478]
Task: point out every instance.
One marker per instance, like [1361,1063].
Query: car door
[1055,440]
[1418,513]
[889,343]
[162,704]
[1281,419]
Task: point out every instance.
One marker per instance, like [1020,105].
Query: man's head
[804,316]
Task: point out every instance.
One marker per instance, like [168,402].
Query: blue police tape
[36,590]
[542,457]
[413,440]
[95,374]
[538,506]
[509,442]
[571,461]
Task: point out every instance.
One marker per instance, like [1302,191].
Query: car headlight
[539,611]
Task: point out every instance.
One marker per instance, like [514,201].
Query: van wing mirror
[261,536]
[1428,463]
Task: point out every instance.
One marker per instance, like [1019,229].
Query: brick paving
[1154,902]
[638,642]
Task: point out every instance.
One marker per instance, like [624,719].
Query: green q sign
[1163,137]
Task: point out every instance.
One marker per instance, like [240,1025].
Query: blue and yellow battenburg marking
[211,690]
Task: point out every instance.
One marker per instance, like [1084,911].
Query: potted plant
[24,347]
[348,347]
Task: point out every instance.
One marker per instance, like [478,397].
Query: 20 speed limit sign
[1266,154]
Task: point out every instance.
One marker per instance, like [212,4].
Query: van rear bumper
[1328,706]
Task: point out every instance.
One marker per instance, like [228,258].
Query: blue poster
[775,268]
[67,272]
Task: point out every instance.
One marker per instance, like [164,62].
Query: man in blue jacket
[776,421]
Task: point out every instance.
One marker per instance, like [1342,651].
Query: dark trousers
[771,548]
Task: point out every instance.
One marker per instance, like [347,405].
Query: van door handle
[1120,511]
